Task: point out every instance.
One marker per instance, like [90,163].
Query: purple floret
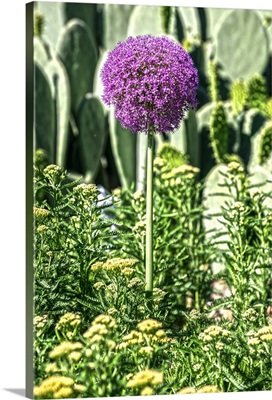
[151,82]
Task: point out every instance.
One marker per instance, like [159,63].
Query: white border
[12,93]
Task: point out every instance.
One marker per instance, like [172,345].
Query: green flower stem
[149,216]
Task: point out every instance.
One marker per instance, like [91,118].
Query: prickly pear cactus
[166,12]
[265,146]
[60,89]
[171,155]
[57,14]
[190,22]
[98,86]
[148,20]
[116,20]
[238,96]
[53,18]
[44,114]
[266,20]
[83,11]
[123,144]
[211,18]
[178,139]
[38,24]
[219,132]
[92,135]
[269,108]
[257,95]
[248,50]
[41,51]
[252,126]
[213,82]
[78,53]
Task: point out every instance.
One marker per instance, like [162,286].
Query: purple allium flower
[151,82]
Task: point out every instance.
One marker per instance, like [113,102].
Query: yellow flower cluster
[64,349]
[146,350]
[99,328]
[237,208]
[68,324]
[235,168]
[203,389]
[147,391]
[58,387]
[250,315]
[106,320]
[99,285]
[128,271]
[40,213]
[134,337]
[158,164]
[42,228]
[54,171]
[40,321]
[146,377]
[135,282]
[123,265]
[86,190]
[94,330]
[149,325]
[139,229]
[264,334]
[194,315]
[158,294]
[51,368]
[212,332]
[69,319]
[179,174]
[149,332]
[138,196]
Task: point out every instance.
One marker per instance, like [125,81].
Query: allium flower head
[151,82]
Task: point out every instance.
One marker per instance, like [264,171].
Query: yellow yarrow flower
[267,337]
[208,389]
[147,391]
[64,349]
[75,356]
[144,378]
[94,330]
[53,384]
[187,390]
[63,393]
[146,350]
[265,330]
[80,388]
[105,320]
[149,325]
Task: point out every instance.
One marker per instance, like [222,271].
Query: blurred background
[232,50]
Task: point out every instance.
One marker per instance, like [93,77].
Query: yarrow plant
[151,82]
